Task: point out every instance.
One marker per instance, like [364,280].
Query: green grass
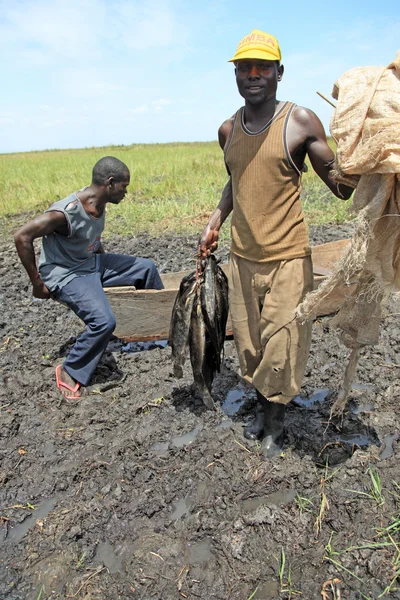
[174,187]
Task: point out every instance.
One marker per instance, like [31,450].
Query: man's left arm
[320,154]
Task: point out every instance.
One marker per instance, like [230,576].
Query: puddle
[388,442]
[364,387]
[234,400]
[276,499]
[364,408]
[181,508]
[355,439]
[199,552]
[106,556]
[17,533]
[160,447]
[187,438]
[225,424]
[134,347]
[319,395]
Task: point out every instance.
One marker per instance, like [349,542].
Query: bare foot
[69,388]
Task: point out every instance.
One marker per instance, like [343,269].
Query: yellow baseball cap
[258,44]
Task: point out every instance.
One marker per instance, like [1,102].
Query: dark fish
[208,303]
[201,354]
[180,322]
[199,318]
[222,305]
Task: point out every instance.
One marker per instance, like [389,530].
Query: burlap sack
[366,127]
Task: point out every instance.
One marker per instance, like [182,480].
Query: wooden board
[146,314]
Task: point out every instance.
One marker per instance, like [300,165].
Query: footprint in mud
[387,443]
[199,553]
[19,531]
[330,444]
[344,444]
[179,441]
[106,556]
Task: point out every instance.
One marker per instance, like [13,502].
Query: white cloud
[162,102]
[44,32]
[137,110]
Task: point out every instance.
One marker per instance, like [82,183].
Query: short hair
[109,166]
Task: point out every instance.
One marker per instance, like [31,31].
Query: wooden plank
[326,255]
[146,314]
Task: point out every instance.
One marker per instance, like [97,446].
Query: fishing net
[366,128]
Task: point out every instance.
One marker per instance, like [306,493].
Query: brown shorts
[272,346]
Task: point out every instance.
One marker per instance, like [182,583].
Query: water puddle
[106,556]
[234,400]
[363,387]
[388,442]
[160,447]
[225,424]
[319,395]
[355,439]
[187,438]
[181,508]
[179,441]
[199,552]
[275,499]
[17,533]
[364,408]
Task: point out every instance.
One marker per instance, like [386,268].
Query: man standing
[265,145]
[73,267]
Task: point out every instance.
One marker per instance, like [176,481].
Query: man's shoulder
[305,116]
[228,123]
[306,123]
[225,130]
[63,202]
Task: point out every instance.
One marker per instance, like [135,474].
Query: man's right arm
[39,227]
[209,238]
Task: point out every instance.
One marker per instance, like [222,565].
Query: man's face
[117,190]
[257,80]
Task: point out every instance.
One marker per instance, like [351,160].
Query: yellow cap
[259,45]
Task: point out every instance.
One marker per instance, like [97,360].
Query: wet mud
[137,491]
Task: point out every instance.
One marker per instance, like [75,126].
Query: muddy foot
[69,388]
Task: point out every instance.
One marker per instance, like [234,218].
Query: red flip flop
[62,384]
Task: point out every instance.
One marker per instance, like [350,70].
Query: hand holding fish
[208,241]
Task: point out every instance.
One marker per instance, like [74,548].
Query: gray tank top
[65,257]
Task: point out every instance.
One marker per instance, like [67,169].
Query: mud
[138,492]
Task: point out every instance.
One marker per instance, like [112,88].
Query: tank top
[267,219]
[65,257]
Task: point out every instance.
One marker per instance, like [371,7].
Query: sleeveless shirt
[65,257]
[267,219]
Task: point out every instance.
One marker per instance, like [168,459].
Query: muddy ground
[137,492]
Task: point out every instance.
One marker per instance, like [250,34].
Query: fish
[180,322]
[199,320]
[201,354]
[208,303]
[222,305]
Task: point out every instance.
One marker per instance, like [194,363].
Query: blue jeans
[86,297]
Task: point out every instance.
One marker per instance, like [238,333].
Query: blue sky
[79,73]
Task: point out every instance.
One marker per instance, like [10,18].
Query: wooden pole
[340,402]
[326,99]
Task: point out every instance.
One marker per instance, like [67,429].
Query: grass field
[174,187]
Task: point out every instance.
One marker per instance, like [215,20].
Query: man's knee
[105,324]
[152,279]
